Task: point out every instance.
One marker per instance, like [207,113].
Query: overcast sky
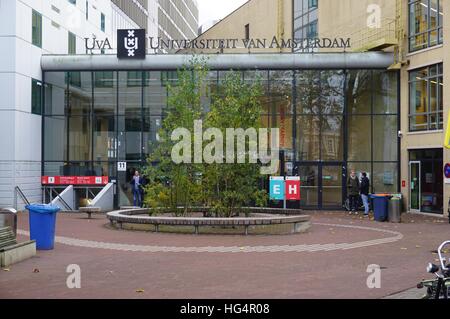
[217,9]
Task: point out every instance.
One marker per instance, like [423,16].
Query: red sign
[75,180]
[403,183]
[292,190]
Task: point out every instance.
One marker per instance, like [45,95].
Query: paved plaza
[330,261]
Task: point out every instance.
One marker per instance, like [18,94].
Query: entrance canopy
[368,60]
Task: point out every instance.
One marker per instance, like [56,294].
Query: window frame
[71,43]
[439,113]
[102,22]
[36,96]
[302,11]
[36,28]
[438,29]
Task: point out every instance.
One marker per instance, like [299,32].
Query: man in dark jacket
[353,192]
[136,187]
[365,185]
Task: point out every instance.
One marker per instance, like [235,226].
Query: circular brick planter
[262,221]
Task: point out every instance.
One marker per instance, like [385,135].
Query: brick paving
[329,261]
[234,249]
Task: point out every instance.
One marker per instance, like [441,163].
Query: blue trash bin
[42,219]
[380,206]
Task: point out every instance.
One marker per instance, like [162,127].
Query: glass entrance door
[414,186]
[321,186]
[309,187]
[332,187]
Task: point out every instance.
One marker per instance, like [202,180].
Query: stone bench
[12,252]
[90,210]
[300,223]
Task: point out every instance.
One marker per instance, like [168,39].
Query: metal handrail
[67,206]
[366,36]
[17,190]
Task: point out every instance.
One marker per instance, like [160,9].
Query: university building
[399,145]
[30,29]
[376,105]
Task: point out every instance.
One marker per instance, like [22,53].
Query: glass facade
[330,121]
[305,20]
[425,24]
[426,111]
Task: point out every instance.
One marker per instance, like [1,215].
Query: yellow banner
[447,134]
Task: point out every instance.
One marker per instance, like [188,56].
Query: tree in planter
[174,185]
[223,187]
[229,187]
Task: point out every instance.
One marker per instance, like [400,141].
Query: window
[134,78]
[36,31]
[312,4]
[36,97]
[169,78]
[74,78]
[426,99]
[305,22]
[247,31]
[72,43]
[102,22]
[104,79]
[48,98]
[312,30]
[73,2]
[425,24]
[87,10]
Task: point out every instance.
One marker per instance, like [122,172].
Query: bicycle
[359,205]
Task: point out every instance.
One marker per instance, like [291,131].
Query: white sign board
[121,166]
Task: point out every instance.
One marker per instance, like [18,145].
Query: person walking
[365,186]
[136,184]
[353,192]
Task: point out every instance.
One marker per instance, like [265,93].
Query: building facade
[414,31]
[177,20]
[388,120]
[112,113]
[30,29]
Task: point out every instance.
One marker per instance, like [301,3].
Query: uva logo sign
[131,44]
[281,189]
[94,44]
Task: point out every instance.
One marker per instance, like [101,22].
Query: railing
[367,38]
[50,193]
[18,191]
[66,206]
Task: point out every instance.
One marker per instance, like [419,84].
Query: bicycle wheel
[347,204]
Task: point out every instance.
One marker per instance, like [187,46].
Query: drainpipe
[280,27]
